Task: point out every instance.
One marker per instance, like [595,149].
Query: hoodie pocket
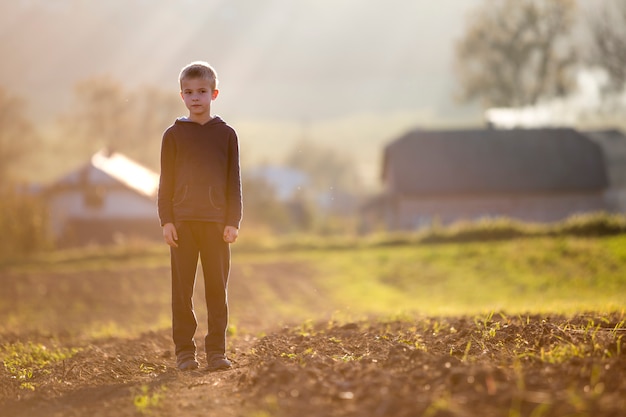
[200,197]
[217,197]
[180,195]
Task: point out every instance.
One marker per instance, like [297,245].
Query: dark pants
[204,239]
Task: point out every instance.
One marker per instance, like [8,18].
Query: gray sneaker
[218,362]
[187,361]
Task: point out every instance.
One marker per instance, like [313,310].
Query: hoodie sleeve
[166,180]
[234,197]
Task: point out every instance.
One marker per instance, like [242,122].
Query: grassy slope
[535,274]
[544,274]
[559,275]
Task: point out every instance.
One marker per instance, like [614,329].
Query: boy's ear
[214,94]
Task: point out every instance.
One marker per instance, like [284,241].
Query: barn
[613,145]
[107,200]
[536,175]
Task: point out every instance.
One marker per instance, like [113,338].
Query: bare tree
[608,32]
[105,114]
[152,110]
[17,134]
[517,52]
[99,117]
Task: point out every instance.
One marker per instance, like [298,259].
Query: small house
[107,200]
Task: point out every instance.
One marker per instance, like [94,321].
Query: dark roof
[494,161]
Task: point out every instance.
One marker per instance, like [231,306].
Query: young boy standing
[200,208]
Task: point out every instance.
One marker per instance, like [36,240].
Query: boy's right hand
[170,235]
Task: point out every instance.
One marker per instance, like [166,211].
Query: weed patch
[146,400]
[27,362]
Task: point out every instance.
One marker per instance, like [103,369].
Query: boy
[200,208]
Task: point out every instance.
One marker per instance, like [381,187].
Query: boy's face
[197,95]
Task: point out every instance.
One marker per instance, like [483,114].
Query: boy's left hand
[230,234]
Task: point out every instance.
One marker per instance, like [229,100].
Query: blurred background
[315,88]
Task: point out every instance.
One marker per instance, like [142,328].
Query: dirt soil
[497,365]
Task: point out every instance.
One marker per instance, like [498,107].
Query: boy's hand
[230,234]
[170,235]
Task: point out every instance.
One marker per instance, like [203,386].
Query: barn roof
[494,161]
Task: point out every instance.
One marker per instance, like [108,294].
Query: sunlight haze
[348,74]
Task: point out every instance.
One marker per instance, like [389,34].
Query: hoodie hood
[216,120]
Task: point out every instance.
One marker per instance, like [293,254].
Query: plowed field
[60,361]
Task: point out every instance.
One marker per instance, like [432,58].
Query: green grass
[125,290]
[532,274]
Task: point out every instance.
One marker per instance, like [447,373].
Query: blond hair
[198,69]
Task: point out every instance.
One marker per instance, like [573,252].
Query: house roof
[494,161]
[128,172]
[108,168]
